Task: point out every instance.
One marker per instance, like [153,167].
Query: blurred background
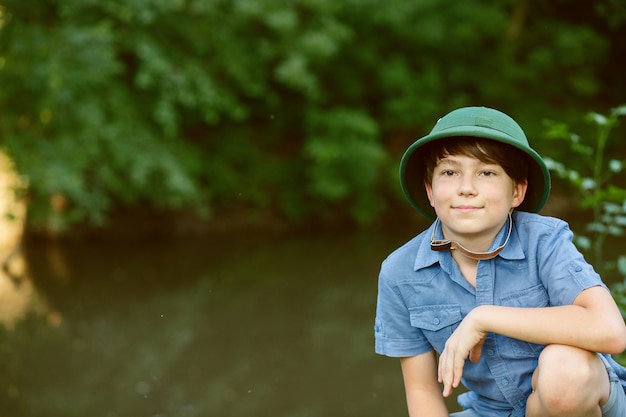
[196,195]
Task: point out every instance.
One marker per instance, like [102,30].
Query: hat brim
[412,169]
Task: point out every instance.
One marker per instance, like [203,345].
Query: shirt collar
[427,257]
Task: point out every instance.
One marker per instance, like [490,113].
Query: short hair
[514,162]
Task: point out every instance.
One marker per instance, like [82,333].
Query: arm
[593,323]
[423,393]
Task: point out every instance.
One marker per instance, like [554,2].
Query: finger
[442,372]
[441,367]
[450,369]
[451,380]
[476,352]
[459,363]
[447,384]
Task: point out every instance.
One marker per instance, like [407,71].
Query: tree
[296,106]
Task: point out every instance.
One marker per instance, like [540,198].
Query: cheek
[439,196]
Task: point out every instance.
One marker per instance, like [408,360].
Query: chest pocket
[536,296]
[533,297]
[437,322]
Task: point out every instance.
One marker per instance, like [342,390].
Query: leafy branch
[592,171]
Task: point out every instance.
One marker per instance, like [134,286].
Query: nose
[467,185]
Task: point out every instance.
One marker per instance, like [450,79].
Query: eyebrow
[449,160]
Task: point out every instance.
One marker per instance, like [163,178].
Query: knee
[564,378]
[566,364]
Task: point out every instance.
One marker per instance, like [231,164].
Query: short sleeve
[564,271]
[394,334]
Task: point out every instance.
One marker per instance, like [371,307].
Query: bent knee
[568,363]
[569,378]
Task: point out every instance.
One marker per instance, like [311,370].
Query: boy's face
[472,198]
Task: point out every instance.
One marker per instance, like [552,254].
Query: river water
[229,326]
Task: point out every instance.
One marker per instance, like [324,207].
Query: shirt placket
[485,282]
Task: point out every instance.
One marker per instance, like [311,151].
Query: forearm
[598,328]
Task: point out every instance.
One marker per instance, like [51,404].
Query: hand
[466,341]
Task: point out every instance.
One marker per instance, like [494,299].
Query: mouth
[466,209]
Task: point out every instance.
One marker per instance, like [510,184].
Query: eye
[447,173]
[488,173]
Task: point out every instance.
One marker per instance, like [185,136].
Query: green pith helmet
[481,122]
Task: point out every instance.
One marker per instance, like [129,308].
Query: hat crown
[482,117]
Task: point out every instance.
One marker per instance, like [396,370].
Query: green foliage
[344,153]
[594,176]
[594,172]
[286,105]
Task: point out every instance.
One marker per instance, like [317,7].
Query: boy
[492,294]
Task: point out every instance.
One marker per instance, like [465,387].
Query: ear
[429,192]
[519,192]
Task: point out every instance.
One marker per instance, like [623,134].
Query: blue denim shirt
[422,298]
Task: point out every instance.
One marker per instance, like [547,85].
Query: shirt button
[505,381]
[490,352]
[436,321]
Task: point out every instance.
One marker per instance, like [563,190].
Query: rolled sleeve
[565,273]
[394,334]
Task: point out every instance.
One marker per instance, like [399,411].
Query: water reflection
[19,297]
[16,291]
[15,299]
[235,326]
